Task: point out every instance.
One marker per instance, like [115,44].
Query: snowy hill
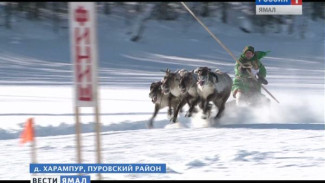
[281,142]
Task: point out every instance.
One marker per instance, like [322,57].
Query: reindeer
[215,87]
[189,92]
[171,82]
[161,101]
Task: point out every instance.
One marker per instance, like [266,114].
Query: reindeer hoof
[169,112]
[149,125]
[195,110]
[218,116]
[173,120]
[188,114]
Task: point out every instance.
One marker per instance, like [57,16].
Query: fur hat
[248,48]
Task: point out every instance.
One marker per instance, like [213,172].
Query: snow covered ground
[285,141]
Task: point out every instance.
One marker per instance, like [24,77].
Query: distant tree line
[56,13]
[34,11]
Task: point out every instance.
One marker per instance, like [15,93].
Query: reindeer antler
[165,71]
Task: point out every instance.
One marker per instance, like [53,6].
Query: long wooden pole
[97,117]
[98,141]
[223,46]
[78,139]
[33,149]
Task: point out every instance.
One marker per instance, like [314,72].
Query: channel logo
[60,179]
[278,7]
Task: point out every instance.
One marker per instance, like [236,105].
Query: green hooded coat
[241,78]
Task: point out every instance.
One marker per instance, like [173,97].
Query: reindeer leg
[179,106]
[192,107]
[221,108]
[170,104]
[188,101]
[208,107]
[201,105]
[205,108]
[150,123]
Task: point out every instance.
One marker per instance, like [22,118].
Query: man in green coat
[243,83]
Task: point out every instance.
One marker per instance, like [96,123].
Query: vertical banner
[83,35]
[84,52]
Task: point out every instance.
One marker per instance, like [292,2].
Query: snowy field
[285,141]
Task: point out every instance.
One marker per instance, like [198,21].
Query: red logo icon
[296,2]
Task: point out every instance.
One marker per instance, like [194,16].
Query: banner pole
[98,141]
[78,139]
